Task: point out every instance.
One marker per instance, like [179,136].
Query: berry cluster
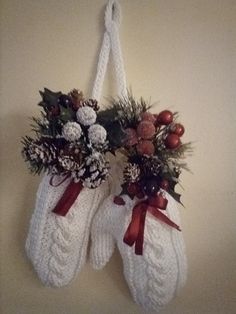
[153,148]
[148,129]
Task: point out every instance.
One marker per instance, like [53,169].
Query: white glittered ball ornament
[72,131]
[97,134]
[86,116]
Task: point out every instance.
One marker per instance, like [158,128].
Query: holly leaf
[49,98]
[66,114]
[107,116]
[115,134]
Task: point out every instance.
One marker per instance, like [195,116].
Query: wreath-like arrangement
[69,141]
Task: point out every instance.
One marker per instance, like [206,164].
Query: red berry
[118,200]
[148,116]
[140,195]
[164,184]
[76,104]
[133,189]
[131,137]
[54,111]
[150,186]
[146,130]
[178,129]
[145,148]
[165,117]
[172,141]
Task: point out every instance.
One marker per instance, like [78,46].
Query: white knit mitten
[56,245]
[154,277]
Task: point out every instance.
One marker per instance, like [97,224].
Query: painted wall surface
[182,54]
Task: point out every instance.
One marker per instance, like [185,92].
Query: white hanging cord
[111,42]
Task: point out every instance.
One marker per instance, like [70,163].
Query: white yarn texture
[111,45]
[155,277]
[56,245]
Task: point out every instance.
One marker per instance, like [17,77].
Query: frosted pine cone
[97,134]
[93,172]
[43,152]
[91,103]
[131,173]
[151,166]
[72,131]
[86,116]
[67,163]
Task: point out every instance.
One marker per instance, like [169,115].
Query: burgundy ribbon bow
[135,231]
[68,198]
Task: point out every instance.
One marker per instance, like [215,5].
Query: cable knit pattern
[155,277]
[57,246]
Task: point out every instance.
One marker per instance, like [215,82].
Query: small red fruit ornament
[172,141]
[165,117]
[150,187]
[146,130]
[164,184]
[177,129]
[145,148]
[118,200]
[131,137]
[148,116]
[133,189]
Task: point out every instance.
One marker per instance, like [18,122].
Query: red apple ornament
[146,130]
[178,129]
[148,116]
[165,117]
[172,141]
[145,148]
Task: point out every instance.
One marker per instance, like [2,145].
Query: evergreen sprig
[123,112]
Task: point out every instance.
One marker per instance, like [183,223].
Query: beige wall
[182,54]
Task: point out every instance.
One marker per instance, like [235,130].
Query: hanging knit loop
[111,42]
[112,15]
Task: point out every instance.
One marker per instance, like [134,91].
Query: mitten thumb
[103,242]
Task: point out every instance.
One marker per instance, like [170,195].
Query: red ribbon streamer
[68,198]
[135,231]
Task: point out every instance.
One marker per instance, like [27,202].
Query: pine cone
[151,166]
[68,163]
[76,98]
[93,172]
[131,173]
[91,103]
[40,153]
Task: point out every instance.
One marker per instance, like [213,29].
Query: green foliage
[122,113]
[128,110]
[36,166]
[49,99]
